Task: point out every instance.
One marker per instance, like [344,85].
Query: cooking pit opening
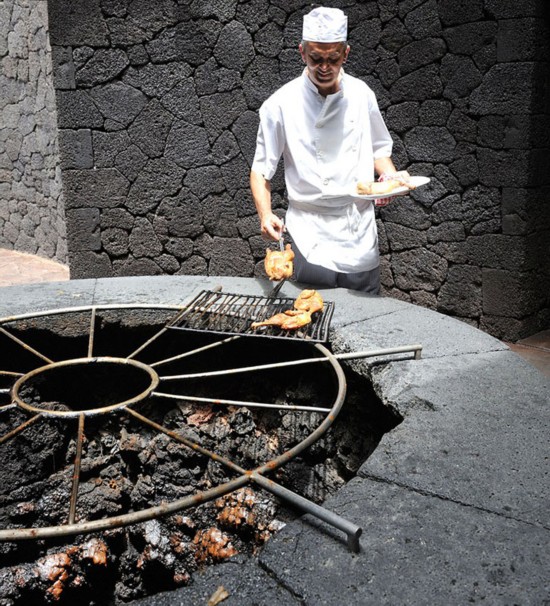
[90,385]
[127,448]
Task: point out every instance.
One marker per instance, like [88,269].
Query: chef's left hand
[400,175]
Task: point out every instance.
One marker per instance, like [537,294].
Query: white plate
[399,191]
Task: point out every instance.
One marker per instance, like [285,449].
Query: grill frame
[232,314]
[75,525]
[244,476]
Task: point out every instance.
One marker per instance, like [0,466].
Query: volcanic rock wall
[31,203]
[157,113]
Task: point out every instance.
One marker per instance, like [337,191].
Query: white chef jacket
[328,144]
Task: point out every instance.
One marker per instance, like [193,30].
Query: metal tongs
[275,290]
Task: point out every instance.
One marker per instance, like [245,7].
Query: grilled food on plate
[278,263]
[374,188]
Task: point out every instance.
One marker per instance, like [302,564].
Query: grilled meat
[373,188]
[297,320]
[307,303]
[290,319]
[309,300]
[278,263]
[275,320]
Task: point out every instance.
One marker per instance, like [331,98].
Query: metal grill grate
[59,393]
[233,314]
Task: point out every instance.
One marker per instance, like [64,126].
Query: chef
[328,129]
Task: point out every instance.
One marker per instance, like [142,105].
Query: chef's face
[324,60]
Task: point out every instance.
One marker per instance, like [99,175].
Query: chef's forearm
[261,194]
[384,165]
[270,225]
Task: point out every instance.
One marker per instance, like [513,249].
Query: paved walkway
[20,268]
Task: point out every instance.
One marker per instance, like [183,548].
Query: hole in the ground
[90,385]
[127,466]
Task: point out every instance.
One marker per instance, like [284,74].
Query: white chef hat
[325,25]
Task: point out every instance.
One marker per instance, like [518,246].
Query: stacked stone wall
[157,111]
[31,203]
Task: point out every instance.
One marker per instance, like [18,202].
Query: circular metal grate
[130,378]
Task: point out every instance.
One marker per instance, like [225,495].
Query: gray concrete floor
[21,268]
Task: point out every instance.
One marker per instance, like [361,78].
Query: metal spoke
[25,346]
[168,325]
[353,532]
[20,428]
[147,343]
[416,349]
[195,351]
[186,442]
[92,333]
[241,403]
[125,519]
[76,472]
[230,371]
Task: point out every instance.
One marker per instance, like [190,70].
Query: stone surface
[482,469]
[416,548]
[166,94]
[452,504]
[243,581]
[30,166]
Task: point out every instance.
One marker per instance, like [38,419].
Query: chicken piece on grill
[278,263]
[307,303]
[291,319]
[297,320]
[309,300]
[275,320]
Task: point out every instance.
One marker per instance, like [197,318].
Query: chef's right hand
[272,227]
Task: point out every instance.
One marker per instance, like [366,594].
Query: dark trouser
[315,275]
